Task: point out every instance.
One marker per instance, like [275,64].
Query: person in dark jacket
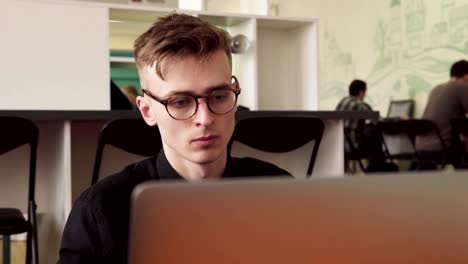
[184,66]
[447,101]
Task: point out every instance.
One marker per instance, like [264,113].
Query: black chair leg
[34,238]
[6,249]
[352,166]
[28,247]
[361,165]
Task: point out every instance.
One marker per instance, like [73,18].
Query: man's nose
[204,116]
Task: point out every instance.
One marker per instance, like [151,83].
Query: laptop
[363,219]
[398,108]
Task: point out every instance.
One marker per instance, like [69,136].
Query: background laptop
[373,219]
[398,108]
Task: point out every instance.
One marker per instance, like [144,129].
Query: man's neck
[462,79]
[192,171]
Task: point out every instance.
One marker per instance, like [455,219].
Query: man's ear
[361,94]
[465,78]
[145,109]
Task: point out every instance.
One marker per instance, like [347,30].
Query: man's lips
[205,141]
[205,138]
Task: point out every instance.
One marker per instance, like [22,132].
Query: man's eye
[180,102]
[220,96]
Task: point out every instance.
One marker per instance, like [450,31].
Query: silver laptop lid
[384,219]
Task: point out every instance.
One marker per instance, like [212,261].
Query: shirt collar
[167,172]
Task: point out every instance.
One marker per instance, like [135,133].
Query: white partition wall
[287,64]
[54,56]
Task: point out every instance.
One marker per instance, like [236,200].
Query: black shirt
[98,225]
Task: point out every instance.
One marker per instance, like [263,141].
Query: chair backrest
[18,131]
[410,130]
[398,108]
[422,127]
[132,135]
[280,134]
[352,154]
[397,141]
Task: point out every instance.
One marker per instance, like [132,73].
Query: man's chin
[206,158]
[205,161]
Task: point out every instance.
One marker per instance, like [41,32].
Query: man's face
[203,138]
[362,95]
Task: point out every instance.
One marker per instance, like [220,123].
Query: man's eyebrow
[207,90]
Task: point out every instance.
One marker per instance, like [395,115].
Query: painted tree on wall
[415,42]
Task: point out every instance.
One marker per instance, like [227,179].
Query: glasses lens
[222,101]
[181,107]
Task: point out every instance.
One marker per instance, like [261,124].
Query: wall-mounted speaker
[239,44]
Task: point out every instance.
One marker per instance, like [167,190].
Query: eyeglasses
[183,106]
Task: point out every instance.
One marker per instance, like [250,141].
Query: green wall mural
[402,48]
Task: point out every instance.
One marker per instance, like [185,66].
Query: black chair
[352,155]
[398,108]
[279,134]
[459,143]
[398,143]
[411,130]
[370,147]
[16,132]
[132,135]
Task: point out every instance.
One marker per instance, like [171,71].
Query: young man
[446,101]
[354,102]
[365,137]
[188,92]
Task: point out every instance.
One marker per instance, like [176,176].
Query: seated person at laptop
[184,66]
[447,101]
[364,135]
[354,102]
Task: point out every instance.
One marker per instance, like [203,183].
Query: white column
[198,5]
[258,7]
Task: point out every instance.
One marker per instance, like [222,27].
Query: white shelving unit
[117,59]
[57,57]
[279,71]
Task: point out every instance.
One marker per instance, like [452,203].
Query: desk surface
[54,115]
